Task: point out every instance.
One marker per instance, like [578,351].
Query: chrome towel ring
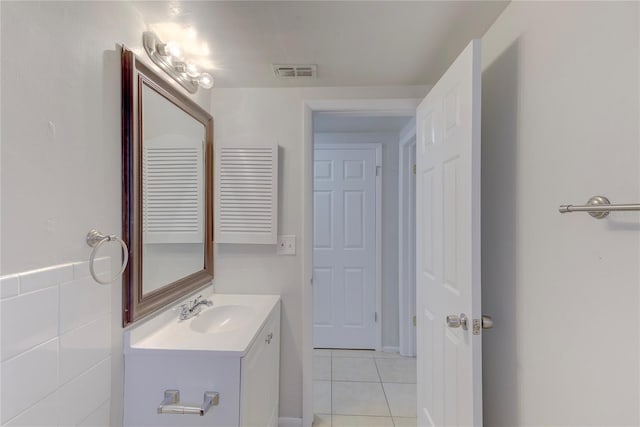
[95,239]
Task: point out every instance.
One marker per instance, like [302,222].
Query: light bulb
[192,70]
[191,32]
[170,49]
[174,49]
[205,81]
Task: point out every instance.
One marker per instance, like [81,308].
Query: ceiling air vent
[291,71]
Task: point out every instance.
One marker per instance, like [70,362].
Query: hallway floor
[363,388]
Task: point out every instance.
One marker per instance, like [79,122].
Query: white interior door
[448,247]
[344,248]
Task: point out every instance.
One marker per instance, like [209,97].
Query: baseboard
[289,422]
[390,349]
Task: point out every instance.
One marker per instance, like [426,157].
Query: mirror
[167,191]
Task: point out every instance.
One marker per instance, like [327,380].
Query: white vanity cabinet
[242,366]
[260,372]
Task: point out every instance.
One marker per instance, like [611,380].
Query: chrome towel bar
[171,403]
[599,207]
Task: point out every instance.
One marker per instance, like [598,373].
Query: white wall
[560,124]
[61,145]
[389,221]
[247,115]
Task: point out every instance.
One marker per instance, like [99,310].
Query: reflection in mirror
[167,191]
[173,193]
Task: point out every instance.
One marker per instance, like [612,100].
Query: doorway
[375,108]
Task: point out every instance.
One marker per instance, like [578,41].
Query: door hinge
[414,320]
[311,281]
[375,316]
[477,326]
[414,169]
[378,169]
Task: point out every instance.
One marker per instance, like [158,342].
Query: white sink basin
[228,327]
[223,318]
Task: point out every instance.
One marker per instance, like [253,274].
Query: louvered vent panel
[247,195]
[173,196]
[292,71]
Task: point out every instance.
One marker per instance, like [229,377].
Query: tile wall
[55,350]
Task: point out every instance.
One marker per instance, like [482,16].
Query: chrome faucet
[193,307]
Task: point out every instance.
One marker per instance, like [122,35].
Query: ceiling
[353,43]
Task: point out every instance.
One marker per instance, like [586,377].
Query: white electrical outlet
[286,245]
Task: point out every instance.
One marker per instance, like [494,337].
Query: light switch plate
[286,245]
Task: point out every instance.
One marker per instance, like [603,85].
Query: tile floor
[363,388]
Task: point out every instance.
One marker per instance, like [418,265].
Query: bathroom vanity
[231,348]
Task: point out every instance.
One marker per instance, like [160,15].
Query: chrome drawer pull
[171,403]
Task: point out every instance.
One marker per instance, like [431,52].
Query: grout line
[34,347]
[95,409]
[384,393]
[331,387]
[21,413]
[90,368]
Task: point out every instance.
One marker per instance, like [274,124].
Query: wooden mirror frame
[135,304]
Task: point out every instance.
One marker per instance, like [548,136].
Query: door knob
[487,322]
[454,321]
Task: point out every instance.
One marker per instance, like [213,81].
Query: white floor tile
[352,353]
[322,420]
[322,397]
[361,421]
[358,398]
[321,368]
[386,355]
[397,370]
[354,369]
[405,422]
[401,398]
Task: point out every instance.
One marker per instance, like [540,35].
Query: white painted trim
[405,296]
[307,266]
[289,422]
[390,349]
[406,106]
[378,224]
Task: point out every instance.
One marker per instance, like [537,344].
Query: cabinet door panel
[260,377]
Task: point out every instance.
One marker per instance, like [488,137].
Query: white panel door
[448,247]
[344,248]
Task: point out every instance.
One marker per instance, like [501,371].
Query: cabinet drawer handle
[269,338]
[171,403]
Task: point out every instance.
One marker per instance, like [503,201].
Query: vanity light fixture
[168,56]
